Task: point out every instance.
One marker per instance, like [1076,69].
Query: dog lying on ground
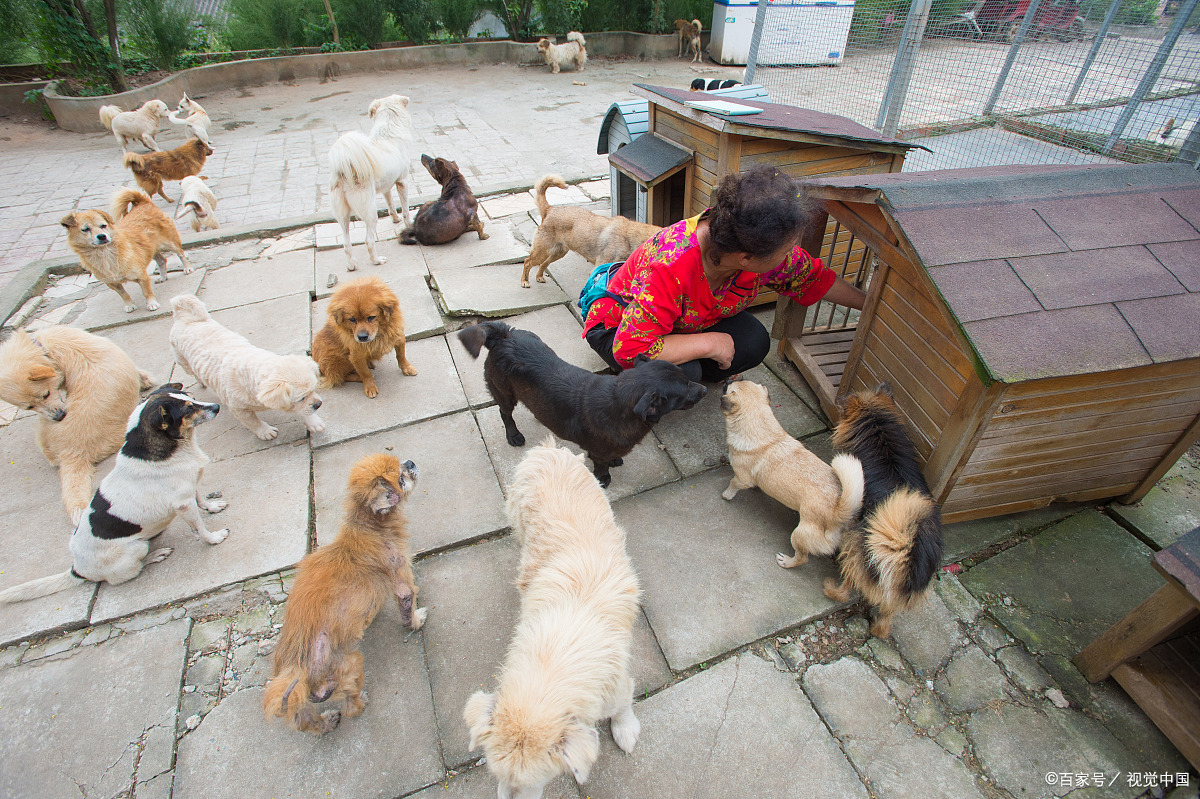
[763,454]
[139,125]
[557,56]
[197,200]
[116,246]
[83,389]
[599,239]
[689,36]
[568,665]
[246,379]
[196,119]
[362,166]
[364,324]
[152,169]
[156,478]
[449,216]
[891,557]
[607,416]
[699,85]
[339,589]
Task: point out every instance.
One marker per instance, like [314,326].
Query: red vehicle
[1002,18]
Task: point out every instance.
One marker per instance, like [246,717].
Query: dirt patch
[240,123]
[72,87]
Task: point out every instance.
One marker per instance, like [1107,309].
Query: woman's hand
[683,347]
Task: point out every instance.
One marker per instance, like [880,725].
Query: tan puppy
[151,170]
[197,120]
[600,239]
[364,325]
[338,591]
[763,454]
[197,201]
[567,667]
[139,125]
[117,247]
[689,36]
[83,389]
[557,56]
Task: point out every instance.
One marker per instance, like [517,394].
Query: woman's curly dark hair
[757,212]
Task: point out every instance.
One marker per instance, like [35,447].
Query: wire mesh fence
[993,82]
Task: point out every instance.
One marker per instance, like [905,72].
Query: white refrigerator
[805,33]
[732,29]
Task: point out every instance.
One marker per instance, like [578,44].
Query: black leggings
[751,343]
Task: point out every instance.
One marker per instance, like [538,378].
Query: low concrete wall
[81,114]
[12,98]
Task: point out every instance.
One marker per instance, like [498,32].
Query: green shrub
[560,16]
[159,29]
[16,33]
[360,21]
[457,16]
[265,24]
[417,17]
[1130,12]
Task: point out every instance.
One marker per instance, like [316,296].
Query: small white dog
[567,667]
[156,477]
[197,200]
[362,166]
[557,56]
[246,378]
[196,118]
[139,125]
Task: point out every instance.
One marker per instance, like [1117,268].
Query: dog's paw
[419,618]
[158,555]
[729,493]
[159,276]
[516,440]
[130,308]
[371,390]
[540,278]
[605,480]
[314,423]
[215,506]
[626,731]
[791,563]
[355,705]
[188,269]
[617,462]
[266,432]
[151,305]
[379,259]
[525,284]
[350,267]
[409,370]
[215,536]
[329,720]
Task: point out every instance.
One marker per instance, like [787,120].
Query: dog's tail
[108,113]
[476,337]
[850,472]
[577,37]
[539,191]
[135,162]
[409,236]
[904,541]
[699,27]
[44,586]
[353,163]
[125,200]
[189,308]
[286,693]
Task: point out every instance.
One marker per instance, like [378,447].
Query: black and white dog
[154,479]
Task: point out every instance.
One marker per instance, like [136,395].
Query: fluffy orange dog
[117,247]
[338,591]
[364,325]
[152,169]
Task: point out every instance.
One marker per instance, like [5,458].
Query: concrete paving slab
[491,291]
[596,189]
[695,438]
[422,317]
[927,634]
[509,204]
[786,371]
[963,539]
[434,391]
[402,261]
[282,325]
[329,234]
[268,524]
[1170,509]
[148,343]
[225,437]
[570,273]
[500,247]
[1063,587]
[691,548]
[478,783]
[244,282]
[236,752]
[971,680]
[105,309]
[740,728]
[52,712]
[571,195]
[456,498]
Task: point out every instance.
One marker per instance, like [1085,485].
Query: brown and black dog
[449,216]
[152,169]
[689,36]
[364,325]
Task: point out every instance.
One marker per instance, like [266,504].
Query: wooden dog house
[1040,326]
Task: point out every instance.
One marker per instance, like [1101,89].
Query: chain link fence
[992,82]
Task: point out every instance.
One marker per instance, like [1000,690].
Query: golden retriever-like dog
[152,169]
[197,200]
[247,379]
[139,125]
[763,454]
[557,56]
[83,389]
[568,665]
[339,589]
[116,246]
[599,239]
[689,36]
[364,325]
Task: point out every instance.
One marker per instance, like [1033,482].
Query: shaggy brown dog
[557,56]
[338,591]
[689,35]
[600,239]
[117,247]
[891,557]
[364,325]
[83,389]
[152,169]
[449,216]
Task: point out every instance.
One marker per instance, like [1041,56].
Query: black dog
[449,216]
[605,415]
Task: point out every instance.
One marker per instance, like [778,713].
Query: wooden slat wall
[704,143]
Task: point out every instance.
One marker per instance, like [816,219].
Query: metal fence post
[1151,76]
[1012,56]
[888,118]
[760,19]
[1091,56]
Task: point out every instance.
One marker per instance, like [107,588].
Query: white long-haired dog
[246,378]
[197,120]
[139,125]
[362,166]
[557,56]
[197,200]
[567,667]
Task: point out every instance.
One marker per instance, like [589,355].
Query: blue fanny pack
[596,287]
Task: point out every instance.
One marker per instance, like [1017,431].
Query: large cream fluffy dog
[246,378]
[568,664]
[362,166]
[83,388]
[763,454]
[139,125]
[557,56]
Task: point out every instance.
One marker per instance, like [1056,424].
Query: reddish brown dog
[152,169]
[364,325]
[449,216]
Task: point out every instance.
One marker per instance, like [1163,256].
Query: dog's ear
[579,748]
[647,407]
[68,221]
[373,107]
[108,218]
[885,388]
[275,392]
[477,713]
[388,307]
[641,357]
[41,371]
[403,101]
